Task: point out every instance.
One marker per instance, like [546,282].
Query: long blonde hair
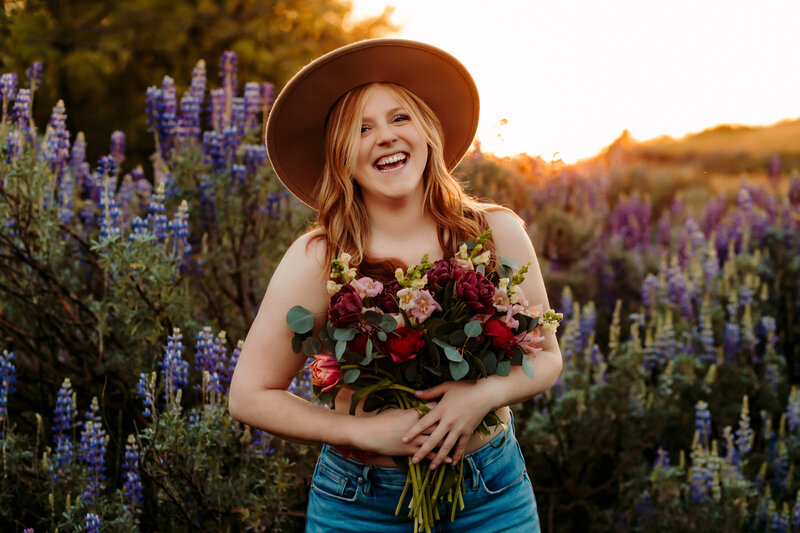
[342,215]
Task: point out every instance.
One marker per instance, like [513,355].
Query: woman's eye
[364,128]
[401,118]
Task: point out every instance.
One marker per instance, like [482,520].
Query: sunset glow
[564,79]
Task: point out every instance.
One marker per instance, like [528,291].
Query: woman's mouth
[391,162]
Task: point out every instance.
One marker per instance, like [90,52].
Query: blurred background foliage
[101,55]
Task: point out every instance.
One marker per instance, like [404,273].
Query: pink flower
[325,371]
[367,287]
[404,344]
[500,300]
[424,306]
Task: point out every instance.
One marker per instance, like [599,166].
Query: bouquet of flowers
[436,322]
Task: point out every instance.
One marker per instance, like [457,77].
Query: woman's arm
[464,404]
[266,366]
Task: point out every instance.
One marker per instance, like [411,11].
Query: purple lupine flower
[132,484]
[156,217]
[796,512]
[273,206]
[92,452]
[34,74]
[189,122]
[699,487]
[731,341]
[710,269]
[174,370]
[794,191]
[709,350]
[238,174]
[678,291]
[211,359]
[22,110]
[662,458]
[715,211]
[213,153]
[260,445]
[744,433]
[664,231]
[8,384]
[231,140]
[301,385]
[152,108]
[178,229]
[8,88]
[140,184]
[217,110]
[118,146]
[645,510]
[268,94]
[93,523]
[168,124]
[253,102]
[57,143]
[144,388]
[109,219]
[198,85]
[227,71]
[139,228]
[255,157]
[208,208]
[77,162]
[649,290]
[566,304]
[63,427]
[702,422]
[238,115]
[780,467]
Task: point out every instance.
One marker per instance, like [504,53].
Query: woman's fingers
[422,426]
[444,449]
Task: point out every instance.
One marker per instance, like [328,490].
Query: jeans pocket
[330,482]
[504,473]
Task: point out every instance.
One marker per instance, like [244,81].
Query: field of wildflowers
[125,295]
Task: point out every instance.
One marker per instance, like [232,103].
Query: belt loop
[364,480]
[474,472]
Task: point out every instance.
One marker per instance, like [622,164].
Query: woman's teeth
[390,162]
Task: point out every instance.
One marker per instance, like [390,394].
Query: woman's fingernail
[415,460]
[448,460]
[405,439]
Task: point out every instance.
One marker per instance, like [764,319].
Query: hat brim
[295,133]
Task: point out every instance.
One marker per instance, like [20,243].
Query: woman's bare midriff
[477,441]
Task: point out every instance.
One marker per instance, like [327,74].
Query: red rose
[345,307]
[500,333]
[325,371]
[404,344]
[475,290]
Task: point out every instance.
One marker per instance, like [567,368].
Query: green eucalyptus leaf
[527,367]
[490,362]
[341,346]
[351,375]
[459,370]
[481,269]
[458,337]
[344,334]
[510,263]
[297,343]
[300,319]
[312,346]
[373,318]
[388,323]
[503,368]
[532,323]
[382,336]
[473,328]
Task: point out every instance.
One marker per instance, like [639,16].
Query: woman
[368,135]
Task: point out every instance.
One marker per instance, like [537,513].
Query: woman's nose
[386,134]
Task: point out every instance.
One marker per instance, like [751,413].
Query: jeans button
[360,479]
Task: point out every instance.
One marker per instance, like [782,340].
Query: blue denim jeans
[348,495]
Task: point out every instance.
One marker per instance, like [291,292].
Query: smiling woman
[369,135]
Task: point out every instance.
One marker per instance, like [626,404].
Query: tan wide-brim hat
[296,126]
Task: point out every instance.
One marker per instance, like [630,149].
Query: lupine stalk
[132,485]
[8,382]
[92,452]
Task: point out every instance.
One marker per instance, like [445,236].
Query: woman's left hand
[462,406]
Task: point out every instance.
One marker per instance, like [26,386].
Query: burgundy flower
[358,345]
[500,333]
[345,307]
[475,290]
[440,275]
[404,344]
[325,371]
[387,300]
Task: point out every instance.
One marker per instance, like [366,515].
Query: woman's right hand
[383,433]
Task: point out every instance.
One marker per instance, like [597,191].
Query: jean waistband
[473,461]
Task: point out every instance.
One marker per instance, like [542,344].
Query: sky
[563,78]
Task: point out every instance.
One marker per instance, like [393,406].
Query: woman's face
[392,152]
